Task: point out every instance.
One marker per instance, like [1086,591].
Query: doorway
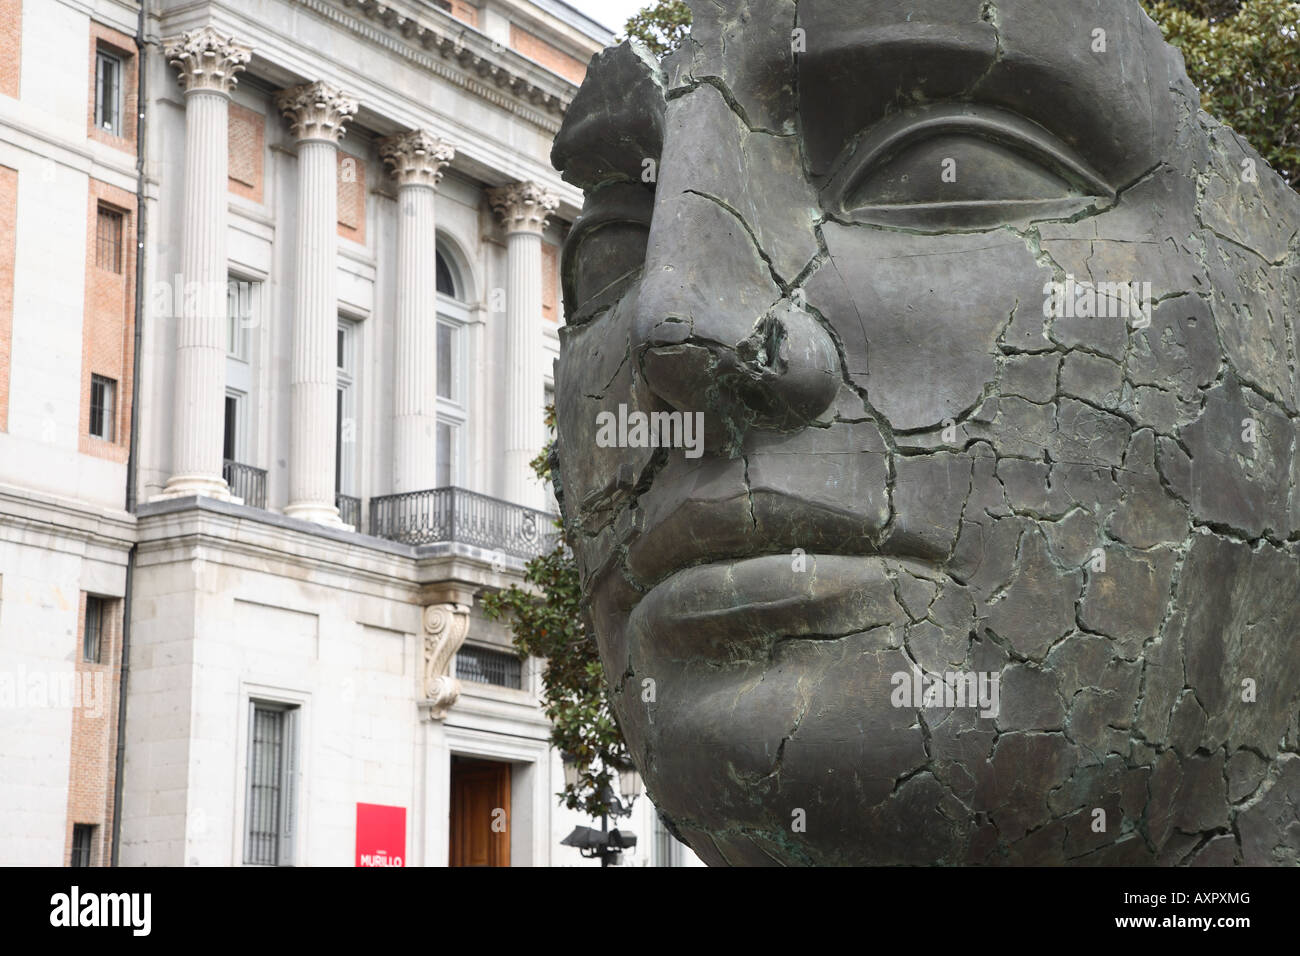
[480,813]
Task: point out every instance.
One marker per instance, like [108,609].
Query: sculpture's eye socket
[962,167]
[605,250]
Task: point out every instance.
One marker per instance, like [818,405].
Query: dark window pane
[83,842]
[228,445]
[108,239]
[103,393]
[446,284]
[489,667]
[93,631]
[265,771]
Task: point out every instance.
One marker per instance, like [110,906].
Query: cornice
[459,54]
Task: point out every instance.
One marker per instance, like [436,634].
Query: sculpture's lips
[739,610]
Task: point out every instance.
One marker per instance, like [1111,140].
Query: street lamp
[604,843]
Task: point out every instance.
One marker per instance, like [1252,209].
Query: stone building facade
[278,308]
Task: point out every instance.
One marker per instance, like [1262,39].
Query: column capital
[316,110]
[417,157]
[445,629]
[207,60]
[523,207]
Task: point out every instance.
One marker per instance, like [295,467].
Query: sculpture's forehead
[1096,72]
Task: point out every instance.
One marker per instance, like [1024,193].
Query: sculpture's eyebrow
[1081,101]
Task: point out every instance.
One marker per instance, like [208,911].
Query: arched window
[446,278]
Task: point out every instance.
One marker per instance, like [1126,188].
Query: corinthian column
[208,63]
[316,112]
[523,208]
[417,160]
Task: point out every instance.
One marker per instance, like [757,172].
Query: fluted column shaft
[415,384]
[417,160]
[208,64]
[524,209]
[313,374]
[317,112]
[524,425]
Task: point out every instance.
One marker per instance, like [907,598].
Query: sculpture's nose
[716,332]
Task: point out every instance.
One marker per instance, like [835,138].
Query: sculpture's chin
[800,758]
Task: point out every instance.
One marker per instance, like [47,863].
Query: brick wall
[92,768]
[124,47]
[109,323]
[464,12]
[352,197]
[550,282]
[8,244]
[538,50]
[246,148]
[11,37]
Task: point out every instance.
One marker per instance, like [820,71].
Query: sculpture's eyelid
[995,125]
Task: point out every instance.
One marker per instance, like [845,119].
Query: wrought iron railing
[349,510]
[245,482]
[454,514]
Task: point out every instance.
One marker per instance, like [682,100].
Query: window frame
[288,781]
[106,56]
[101,616]
[116,242]
[346,406]
[87,854]
[107,408]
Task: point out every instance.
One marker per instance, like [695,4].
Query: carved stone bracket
[445,628]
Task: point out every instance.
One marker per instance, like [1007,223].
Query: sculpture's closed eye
[961,167]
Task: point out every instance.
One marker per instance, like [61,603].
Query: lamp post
[605,843]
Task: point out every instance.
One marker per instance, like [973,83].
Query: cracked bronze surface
[908,464]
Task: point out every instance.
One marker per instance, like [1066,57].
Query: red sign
[381,835]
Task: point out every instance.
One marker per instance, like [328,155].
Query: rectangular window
[108,239]
[483,666]
[103,404]
[92,643]
[108,92]
[83,844]
[239,317]
[446,452]
[345,412]
[230,438]
[270,811]
[446,361]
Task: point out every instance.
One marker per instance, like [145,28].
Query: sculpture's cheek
[921,317]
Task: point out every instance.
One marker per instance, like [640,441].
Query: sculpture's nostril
[783,375]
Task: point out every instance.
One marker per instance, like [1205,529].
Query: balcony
[245,482]
[349,510]
[456,515]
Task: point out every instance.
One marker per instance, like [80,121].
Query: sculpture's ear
[616,122]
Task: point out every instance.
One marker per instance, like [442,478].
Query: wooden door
[480,813]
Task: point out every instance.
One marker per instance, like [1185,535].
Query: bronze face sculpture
[927,424]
